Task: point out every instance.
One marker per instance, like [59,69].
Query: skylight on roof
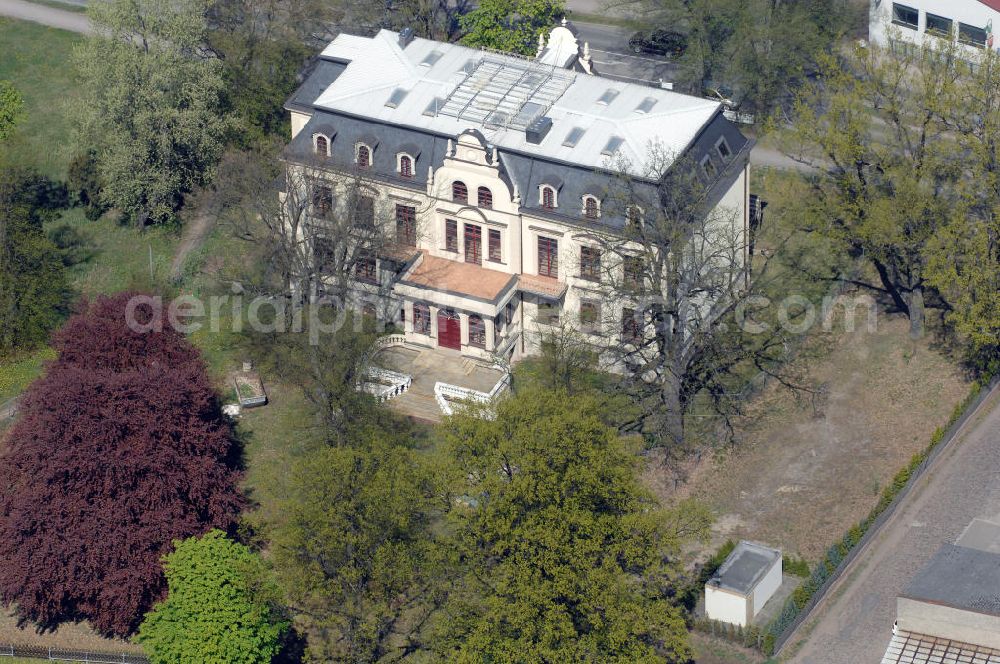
[612,146]
[646,105]
[434,107]
[396,98]
[608,96]
[574,136]
[431,58]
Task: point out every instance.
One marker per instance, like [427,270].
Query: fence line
[879,522]
[64,655]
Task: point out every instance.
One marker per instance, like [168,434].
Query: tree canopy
[510,25]
[152,103]
[221,606]
[11,108]
[568,559]
[34,291]
[121,448]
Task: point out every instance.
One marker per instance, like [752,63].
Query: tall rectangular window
[631,327]
[473,244]
[325,253]
[590,263]
[548,257]
[322,200]
[406,225]
[632,266]
[366,270]
[451,235]
[590,316]
[495,253]
[905,16]
[365,212]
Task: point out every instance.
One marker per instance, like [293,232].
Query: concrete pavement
[854,622]
[50,16]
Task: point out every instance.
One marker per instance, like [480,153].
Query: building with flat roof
[748,578]
[911,22]
[493,174]
[950,611]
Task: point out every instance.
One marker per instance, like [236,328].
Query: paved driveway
[50,16]
[854,623]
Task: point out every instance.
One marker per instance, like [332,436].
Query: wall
[767,587]
[726,606]
[971,12]
[948,623]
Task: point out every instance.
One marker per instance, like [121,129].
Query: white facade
[727,606]
[744,583]
[970,22]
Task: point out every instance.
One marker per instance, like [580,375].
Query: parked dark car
[658,42]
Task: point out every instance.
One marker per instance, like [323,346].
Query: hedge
[838,552]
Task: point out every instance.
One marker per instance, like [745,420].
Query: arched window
[364,156]
[321,145]
[406,166]
[591,207]
[485,198]
[548,197]
[459,192]
[477,332]
[421,318]
[634,216]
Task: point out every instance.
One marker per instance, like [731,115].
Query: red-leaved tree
[121,448]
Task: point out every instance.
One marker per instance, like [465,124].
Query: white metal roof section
[911,648]
[501,106]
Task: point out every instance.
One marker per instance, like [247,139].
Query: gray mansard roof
[348,97]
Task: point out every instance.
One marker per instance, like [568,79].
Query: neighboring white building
[743,584]
[494,173]
[950,612]
[970,22]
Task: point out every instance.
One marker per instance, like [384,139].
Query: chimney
[405,37]
[538,129]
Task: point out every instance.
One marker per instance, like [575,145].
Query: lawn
[17,373]
[38,61]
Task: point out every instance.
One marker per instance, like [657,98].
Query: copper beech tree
[121,448]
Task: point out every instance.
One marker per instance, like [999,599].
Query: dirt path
[195,231]
[854,623]
[50,16]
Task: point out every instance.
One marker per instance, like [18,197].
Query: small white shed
[742,585]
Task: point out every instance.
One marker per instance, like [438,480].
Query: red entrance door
[449,330]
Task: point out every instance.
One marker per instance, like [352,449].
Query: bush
[795,566]
[84,183]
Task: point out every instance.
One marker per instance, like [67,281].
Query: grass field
[17,374]
[38,61]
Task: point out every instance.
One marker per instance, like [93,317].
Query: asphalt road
[50,16]
[854,622]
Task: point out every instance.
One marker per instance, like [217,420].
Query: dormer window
[363,156]
[485,197]
[459,192]
[547,197]
[321,145]
[405,166]
[591,207]
[708,167]
[722,147]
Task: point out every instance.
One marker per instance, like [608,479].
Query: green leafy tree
[153,100]
[34,290]
[221,607]
[510,25]
[568,559]
[885,171]
[11,108]
[354,551]
[964,262]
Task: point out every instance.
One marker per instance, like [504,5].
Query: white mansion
[493,171]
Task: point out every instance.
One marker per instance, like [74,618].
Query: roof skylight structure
[397,96]
[612,145]
[608,96]
[506,92]
[574,136]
